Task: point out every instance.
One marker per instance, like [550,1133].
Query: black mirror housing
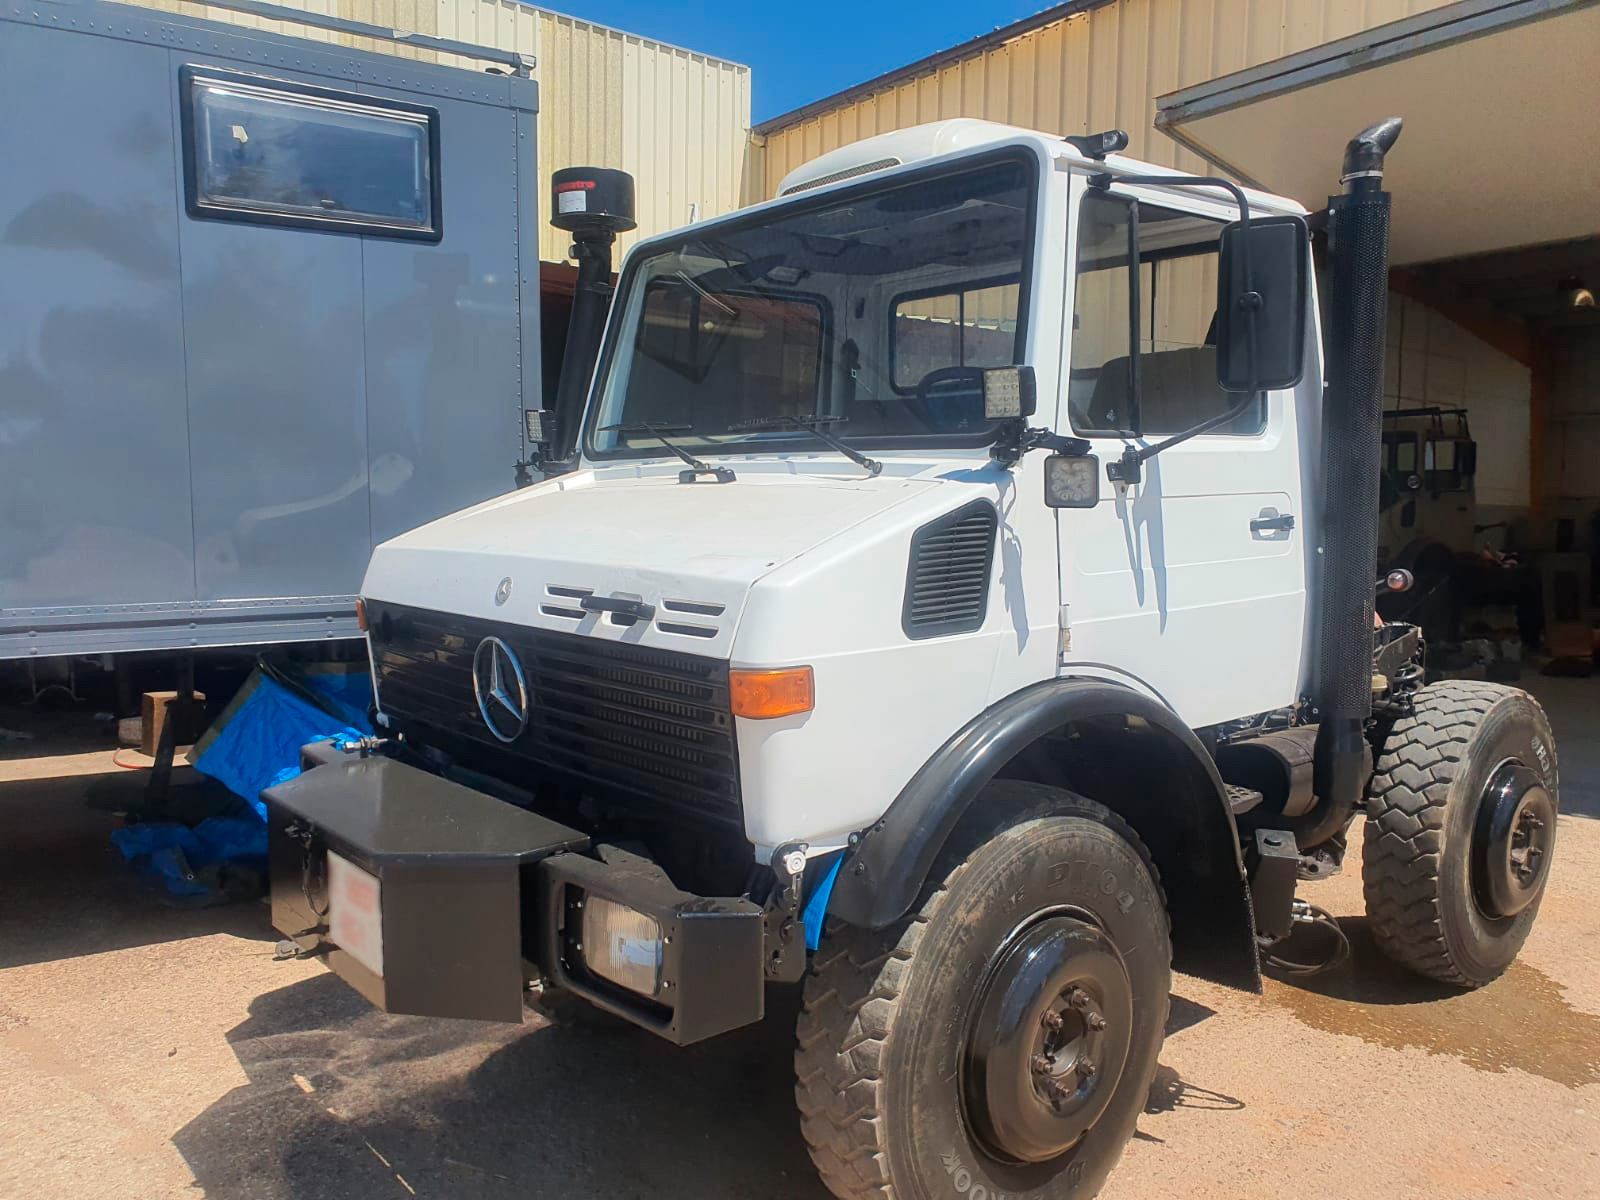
[1279,260]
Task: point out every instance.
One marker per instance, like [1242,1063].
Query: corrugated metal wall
[1096,70]
[677,120]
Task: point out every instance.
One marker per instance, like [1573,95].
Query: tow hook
[786,954]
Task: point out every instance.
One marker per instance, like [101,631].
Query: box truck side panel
[94,444]
[277,420]
[443,391]
[265,305]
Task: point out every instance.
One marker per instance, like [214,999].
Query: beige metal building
[1494,180]
[677,120]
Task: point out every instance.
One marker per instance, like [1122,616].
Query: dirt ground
[150,1052]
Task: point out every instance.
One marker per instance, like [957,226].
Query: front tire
[1460,829]
[1001,1040]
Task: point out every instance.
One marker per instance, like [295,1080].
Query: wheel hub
[1049,1039]
[1512,842]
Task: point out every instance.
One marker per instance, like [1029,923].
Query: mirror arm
[1127,469]
[1015,439]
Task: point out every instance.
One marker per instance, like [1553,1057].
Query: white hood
[691,551]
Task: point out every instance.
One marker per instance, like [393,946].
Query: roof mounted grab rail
[521,64]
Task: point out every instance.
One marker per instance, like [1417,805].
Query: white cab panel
[689,550]
[886,703]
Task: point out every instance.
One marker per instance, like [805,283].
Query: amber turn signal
[762,695]
[361,614]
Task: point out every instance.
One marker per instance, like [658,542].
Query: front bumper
[461,900]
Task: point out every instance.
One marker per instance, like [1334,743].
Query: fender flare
[882,877]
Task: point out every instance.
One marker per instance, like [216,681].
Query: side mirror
[1278,251]
[1009,393]
[1072,480]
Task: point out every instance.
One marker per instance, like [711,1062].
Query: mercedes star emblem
[501,688]
[502,593]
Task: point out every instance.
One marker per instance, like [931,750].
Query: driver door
[1191,581]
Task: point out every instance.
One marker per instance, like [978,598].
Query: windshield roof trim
[1036,147]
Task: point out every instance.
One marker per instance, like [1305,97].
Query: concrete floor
[152,1052]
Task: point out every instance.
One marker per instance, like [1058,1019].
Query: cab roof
[902,147]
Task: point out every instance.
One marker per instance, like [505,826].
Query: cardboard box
[158,710]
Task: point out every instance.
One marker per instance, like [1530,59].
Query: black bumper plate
[436,905]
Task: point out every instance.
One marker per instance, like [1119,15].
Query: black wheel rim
[1048,1041]
[1512,841]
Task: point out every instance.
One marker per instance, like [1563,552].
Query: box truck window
[281,153]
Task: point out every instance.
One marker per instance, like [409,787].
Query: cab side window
[1147,281]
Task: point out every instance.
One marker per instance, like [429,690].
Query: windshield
[874,312]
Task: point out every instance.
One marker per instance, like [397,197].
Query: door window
[1168,303]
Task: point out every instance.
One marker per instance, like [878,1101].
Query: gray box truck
[263,305]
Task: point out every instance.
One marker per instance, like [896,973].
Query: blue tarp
[260,745]
[193,862]
[225,857]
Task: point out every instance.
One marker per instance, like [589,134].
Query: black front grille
[613,715]
[947,581]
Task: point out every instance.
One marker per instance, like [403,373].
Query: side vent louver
[847,173]
[947,582]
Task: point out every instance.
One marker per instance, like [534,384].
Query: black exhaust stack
[1352,431]
[594,204]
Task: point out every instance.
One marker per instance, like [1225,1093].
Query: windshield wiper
[659,431]
[814,426]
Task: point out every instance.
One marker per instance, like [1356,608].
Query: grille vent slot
[702,608]
[699,631]
[947,582]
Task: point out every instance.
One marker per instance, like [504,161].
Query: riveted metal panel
[1082,67]
[91,328]
[444,328]
[277,426]
[204,425]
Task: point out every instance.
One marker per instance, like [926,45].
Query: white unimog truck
[959,597]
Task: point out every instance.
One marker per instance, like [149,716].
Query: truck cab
[930,533]
[922,589]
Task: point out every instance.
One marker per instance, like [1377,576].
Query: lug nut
[1078,998]
[1059,1090]
[1095,1021]
[1053,1021]
[1041,1064]
[1086,1069]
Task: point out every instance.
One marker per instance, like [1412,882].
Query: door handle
[1270,521]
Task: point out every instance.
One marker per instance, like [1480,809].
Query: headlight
[622,945]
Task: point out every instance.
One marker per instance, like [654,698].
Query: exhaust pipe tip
[1364,155]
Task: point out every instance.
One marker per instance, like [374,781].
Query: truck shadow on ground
[66,892]
[347,1102]
[344,1101]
